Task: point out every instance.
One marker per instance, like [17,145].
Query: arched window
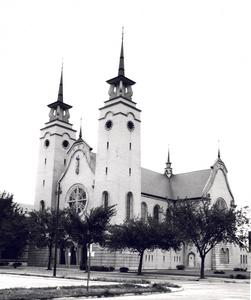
[221,204]
[156,213]
[143,211]
[224,255]
[42,205]
[129,206]
[105,199]
[77,198]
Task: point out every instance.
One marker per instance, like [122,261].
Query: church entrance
[191,260]
[73,257]
[62,256]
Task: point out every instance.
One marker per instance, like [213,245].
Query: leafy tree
[139,235]
[206,225]
[43,229]
[13,227]
[89,228]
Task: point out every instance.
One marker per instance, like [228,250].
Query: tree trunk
[141,255]
[83,262]
[202,267]
[49,257]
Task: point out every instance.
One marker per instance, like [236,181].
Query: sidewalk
[150,275]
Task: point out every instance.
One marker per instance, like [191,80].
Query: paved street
[208,289]
[197,291]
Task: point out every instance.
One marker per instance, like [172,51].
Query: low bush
[123,269]
[102,268]
[241,276]
[219,272]
[240,269]
[17,264]
[231,276]
[3,264]
[180,267]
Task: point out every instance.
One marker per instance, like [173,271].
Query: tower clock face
[108,125]
[130,125]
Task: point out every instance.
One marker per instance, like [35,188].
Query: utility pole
[56,231]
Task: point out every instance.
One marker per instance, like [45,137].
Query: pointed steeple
[219,149]
[121,59]
[80,130]
[168,169]
[59,109]
[60,90]
[121,86]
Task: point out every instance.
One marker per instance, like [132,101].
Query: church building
[114,175]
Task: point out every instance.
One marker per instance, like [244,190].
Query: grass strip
[73,291]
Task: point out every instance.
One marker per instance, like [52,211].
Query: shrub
[231,276]
[180,267]
[123,269]
[240,269]
[2,264]
[241,276]
[219,272]
[17,264]
[102,268]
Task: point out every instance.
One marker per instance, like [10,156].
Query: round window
[46,143]
[65,144]
[108,125]
[77,199]
[130,125]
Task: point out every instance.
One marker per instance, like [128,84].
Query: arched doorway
[62,256]
[191,260]
[73,260]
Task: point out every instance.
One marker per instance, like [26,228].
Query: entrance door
[191,260]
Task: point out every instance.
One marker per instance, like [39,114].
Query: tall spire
[219,149]
[168,169]
[168,158]
[80,130]
[121,59]
[60,90]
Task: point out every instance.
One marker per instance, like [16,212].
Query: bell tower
[118,168]
[56,137]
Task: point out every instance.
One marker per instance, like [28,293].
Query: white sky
[191,61]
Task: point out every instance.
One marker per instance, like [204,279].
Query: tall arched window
[143,211]
[105,199]
[156,213]
[221,203]
[42,205]
[129,206]
[224,255]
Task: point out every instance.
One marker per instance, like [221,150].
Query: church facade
[113,175]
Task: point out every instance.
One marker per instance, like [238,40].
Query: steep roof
[183,185]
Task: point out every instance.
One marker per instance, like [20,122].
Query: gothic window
[129,205]
[77,198]
[156,213]
[42,205]
[224,255]
[105,199]
[143,211]
[107,145]
[221,204]
[130,171]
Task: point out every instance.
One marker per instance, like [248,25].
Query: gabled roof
[183,185]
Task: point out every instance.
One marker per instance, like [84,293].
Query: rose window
[77,199]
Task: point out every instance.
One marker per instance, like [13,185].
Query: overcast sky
[191,61]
